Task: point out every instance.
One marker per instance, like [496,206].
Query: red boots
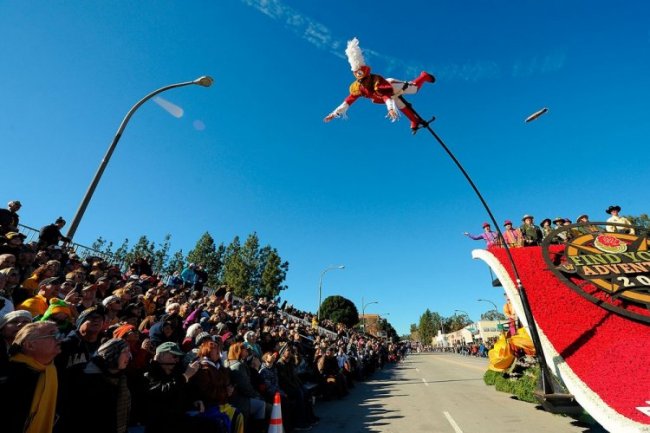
[415,121]
[424,77]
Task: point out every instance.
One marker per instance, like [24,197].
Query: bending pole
[547,383]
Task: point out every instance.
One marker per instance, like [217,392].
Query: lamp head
[205,81]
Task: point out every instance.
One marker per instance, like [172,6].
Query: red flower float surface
[609,353]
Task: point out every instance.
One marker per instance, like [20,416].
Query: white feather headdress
[355,56]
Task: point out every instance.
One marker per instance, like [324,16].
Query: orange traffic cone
[275,426]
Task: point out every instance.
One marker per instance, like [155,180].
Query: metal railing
[32,235]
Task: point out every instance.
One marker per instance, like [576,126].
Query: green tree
[235,272]
[161,255]
[121,252]
[176,263]
[426,327]
[274,272]
[493,315]
[206,253]
[642,220]
[340,310]
[456,322]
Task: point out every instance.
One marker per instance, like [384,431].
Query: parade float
[589,298]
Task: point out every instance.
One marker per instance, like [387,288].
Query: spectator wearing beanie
[101,397]
[83,341]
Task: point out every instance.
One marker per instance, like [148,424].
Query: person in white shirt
[613,211]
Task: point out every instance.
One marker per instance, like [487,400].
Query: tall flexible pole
[534,335]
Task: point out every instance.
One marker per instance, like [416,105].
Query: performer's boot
[424,77]
[415,121]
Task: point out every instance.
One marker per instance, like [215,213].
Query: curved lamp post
[465,313]
[320,286]
[495,309]
[363,311]
[204,81]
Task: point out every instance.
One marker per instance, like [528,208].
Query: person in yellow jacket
[38,304]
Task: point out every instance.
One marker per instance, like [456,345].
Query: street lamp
[487,300]
[320,286]
[204,81]
[363,311]
[465,313]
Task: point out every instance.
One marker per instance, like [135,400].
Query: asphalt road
[437,392]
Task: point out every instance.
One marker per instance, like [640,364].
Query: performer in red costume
[379,89]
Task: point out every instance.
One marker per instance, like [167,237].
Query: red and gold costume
[379,89]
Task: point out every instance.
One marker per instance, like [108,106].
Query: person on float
[491,238]
[532,234]
[615,218]
[513,237]
[378,89]
[585,226]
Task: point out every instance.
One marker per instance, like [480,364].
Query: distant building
[482,330]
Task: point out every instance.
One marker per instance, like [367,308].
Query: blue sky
[251,153]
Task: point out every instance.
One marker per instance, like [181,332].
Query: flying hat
[608,210]
[354,54]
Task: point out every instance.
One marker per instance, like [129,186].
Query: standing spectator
[51,234]
[532,234]
[614,218]
[491,238]
[9,217]
[189,276]
[29,395]
[201,278]
[512,237]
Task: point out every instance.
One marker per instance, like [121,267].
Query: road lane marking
[425,382]
[452,422]
[473,367]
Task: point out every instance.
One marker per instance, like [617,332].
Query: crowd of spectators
[87,347]
[528,234]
